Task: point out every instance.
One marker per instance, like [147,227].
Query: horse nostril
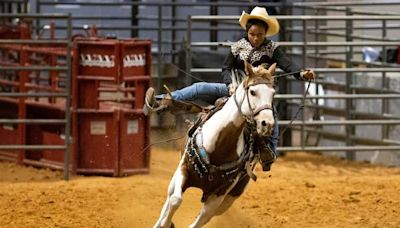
[263,123]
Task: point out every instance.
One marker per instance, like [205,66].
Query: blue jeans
[210,92]
[274,138]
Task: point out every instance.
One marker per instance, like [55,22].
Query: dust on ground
[302,190]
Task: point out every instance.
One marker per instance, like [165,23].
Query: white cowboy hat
[260,13]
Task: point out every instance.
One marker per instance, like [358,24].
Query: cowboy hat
[260,13]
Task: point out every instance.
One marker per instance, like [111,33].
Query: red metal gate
[109,82]
[109,131]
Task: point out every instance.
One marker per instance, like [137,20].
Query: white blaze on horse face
[261,95]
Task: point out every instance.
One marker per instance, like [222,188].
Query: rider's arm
[227,68]
[284,62]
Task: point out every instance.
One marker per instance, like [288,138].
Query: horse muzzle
[265,127]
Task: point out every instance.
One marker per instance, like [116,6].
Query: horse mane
[260,72]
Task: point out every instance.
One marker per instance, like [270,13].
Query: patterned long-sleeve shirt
[268,53]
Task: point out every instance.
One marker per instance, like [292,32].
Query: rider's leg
[268,148]
[208,92]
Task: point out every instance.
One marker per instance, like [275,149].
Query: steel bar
[21,68]
[44,16]
[340,122]
[162,3]
[33,121]
[338,136]
[34,94]
[332,111]
[10,41]
[32,147]
[343,9]
[304,66]
[68,102]
[348,3]
[340,148]
[339,96]
[220,28]
[306,17]
[310,44]
[318,70]
[358,27]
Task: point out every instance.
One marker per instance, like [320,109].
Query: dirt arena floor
[302,190]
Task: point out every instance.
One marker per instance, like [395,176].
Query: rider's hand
[231,89]
[309,74]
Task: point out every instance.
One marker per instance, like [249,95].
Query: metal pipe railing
[318,70]
[348,3]
[384,42]
[310,44]
[33,121]
[339,122]
[349,70]
[340,148]
[21,47]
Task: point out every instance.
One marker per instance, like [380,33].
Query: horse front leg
[208,210]
[174,198]
[226,204]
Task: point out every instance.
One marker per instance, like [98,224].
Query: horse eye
[252,92]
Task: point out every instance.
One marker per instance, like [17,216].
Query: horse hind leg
[173,201]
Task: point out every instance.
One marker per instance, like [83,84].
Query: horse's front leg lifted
[174,198]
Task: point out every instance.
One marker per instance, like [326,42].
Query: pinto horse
[218,158]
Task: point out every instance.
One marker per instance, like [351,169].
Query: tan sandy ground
[303,190]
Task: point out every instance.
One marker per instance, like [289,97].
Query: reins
[301,107]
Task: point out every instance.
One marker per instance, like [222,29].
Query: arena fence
[22,57]
[107,132]
[310,49]
[333,50]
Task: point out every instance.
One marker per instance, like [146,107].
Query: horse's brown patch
[224,152]
[226,145]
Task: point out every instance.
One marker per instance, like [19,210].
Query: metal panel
[111,130]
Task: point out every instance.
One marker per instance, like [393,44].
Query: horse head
[258,93]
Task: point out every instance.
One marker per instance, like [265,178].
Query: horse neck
[223,132]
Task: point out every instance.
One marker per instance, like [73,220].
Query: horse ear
[248,69]
[271,69]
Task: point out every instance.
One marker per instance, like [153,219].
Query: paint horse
[218,157]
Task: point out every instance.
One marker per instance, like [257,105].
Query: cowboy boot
[267,154]
[154,105]
[149,101]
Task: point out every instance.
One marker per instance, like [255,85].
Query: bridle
[253,112]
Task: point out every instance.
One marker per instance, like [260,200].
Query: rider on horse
[254,48]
